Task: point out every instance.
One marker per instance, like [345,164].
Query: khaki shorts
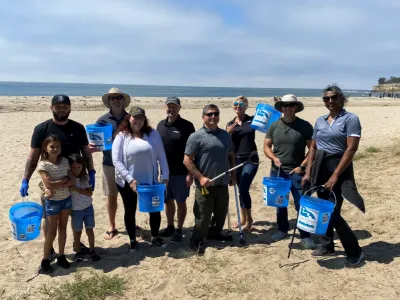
[109,184]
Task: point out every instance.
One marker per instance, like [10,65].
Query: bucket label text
[155,201]
[96,138]
[261,117]
[308,219]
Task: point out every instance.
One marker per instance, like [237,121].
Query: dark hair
[76,158]
[337,90]
[209,106]
[52,138]
[125,126]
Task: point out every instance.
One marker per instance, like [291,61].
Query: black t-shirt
[72,135]
[175,136]
[243,137]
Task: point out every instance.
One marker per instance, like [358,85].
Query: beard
[59,118]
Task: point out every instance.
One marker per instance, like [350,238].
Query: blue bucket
[151,197]
[263,118]
[25,220]
[314,214]
[100,135]
[276,191]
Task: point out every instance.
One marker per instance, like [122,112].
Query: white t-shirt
[80,201]
[56,172]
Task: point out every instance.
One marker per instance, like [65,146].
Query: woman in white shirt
[137,150]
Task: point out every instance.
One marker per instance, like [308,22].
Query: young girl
[82,208]
[57,178]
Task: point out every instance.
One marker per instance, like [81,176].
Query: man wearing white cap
[116,101]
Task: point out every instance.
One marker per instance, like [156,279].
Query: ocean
[89,89]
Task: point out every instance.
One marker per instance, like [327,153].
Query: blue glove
[24,188]
[92,178]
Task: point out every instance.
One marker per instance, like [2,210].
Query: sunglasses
[333,98]
[288,105]
[119,97]
[241,104]
[210,114]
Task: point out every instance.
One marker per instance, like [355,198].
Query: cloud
[272,44]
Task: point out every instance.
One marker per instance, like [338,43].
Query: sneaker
[177,237]
[84,249]
[158,242]
[308,243]
[53,255]
[197,247]
[79,257]
[220,237]
[167,232]
[323,251]
[134,246]
[45,267]
[277,236]
[63,262]
[352,262]
[94,256]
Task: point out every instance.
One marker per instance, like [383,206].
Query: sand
[260,271]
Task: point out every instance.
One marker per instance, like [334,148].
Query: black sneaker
[177,237]
[167,232]
[79,257]
[354,261]
[134,246]
[53,255]
[323,251]
[45,267]
[220,237]
[94,256]
[158,242]
[84,249]
[63,262]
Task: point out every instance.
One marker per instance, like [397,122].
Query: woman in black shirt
[243,137]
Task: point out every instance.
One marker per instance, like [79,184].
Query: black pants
[343,230]
[129,197]
[215,203]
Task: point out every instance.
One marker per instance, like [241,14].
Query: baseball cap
[174,100]
[136,110]
[60,99]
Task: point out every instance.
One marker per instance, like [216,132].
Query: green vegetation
[372,149]
[95,286]
[392,79]
[359,155]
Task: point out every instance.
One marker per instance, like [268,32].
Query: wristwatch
[302,168]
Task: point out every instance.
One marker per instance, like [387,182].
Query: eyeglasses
[215,114]
[288,105]
[119,97]
[241,104]
[333,98]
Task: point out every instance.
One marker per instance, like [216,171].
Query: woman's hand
[165,181]
[305,179]
[230,129]
[331,182]
[189,180]
[296,170]
[49,193]
[94,148]
[133,185]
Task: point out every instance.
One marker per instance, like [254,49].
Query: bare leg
[90,234]
[112,206]
[62,230]
[182,210]
[77,241]
[50,235]
[249,223]
[170,212]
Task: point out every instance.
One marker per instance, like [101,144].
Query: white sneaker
[308,243]
[277,236]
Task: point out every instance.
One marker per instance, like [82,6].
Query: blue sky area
[238,43]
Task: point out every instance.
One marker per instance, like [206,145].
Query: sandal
[110,234]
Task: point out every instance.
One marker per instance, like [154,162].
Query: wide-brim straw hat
[113,91]
[289,99]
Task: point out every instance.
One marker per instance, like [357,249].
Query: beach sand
[260,271]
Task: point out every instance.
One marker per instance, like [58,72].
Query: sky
[229,43]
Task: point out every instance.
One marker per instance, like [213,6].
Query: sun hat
[174,100]
[136,110]
[113,91]
[60,99]
[289,98]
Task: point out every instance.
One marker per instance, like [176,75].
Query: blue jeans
[297,191]
[244,178]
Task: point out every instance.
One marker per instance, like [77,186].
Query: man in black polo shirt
[174,132]
[116,101]
[73,140]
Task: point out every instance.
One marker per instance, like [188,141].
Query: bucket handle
[319,186]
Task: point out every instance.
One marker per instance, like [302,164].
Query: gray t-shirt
[289,142]
[332,138]
[210,149]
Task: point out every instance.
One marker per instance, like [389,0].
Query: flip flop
[110,234]
[248,229]
[235,225]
